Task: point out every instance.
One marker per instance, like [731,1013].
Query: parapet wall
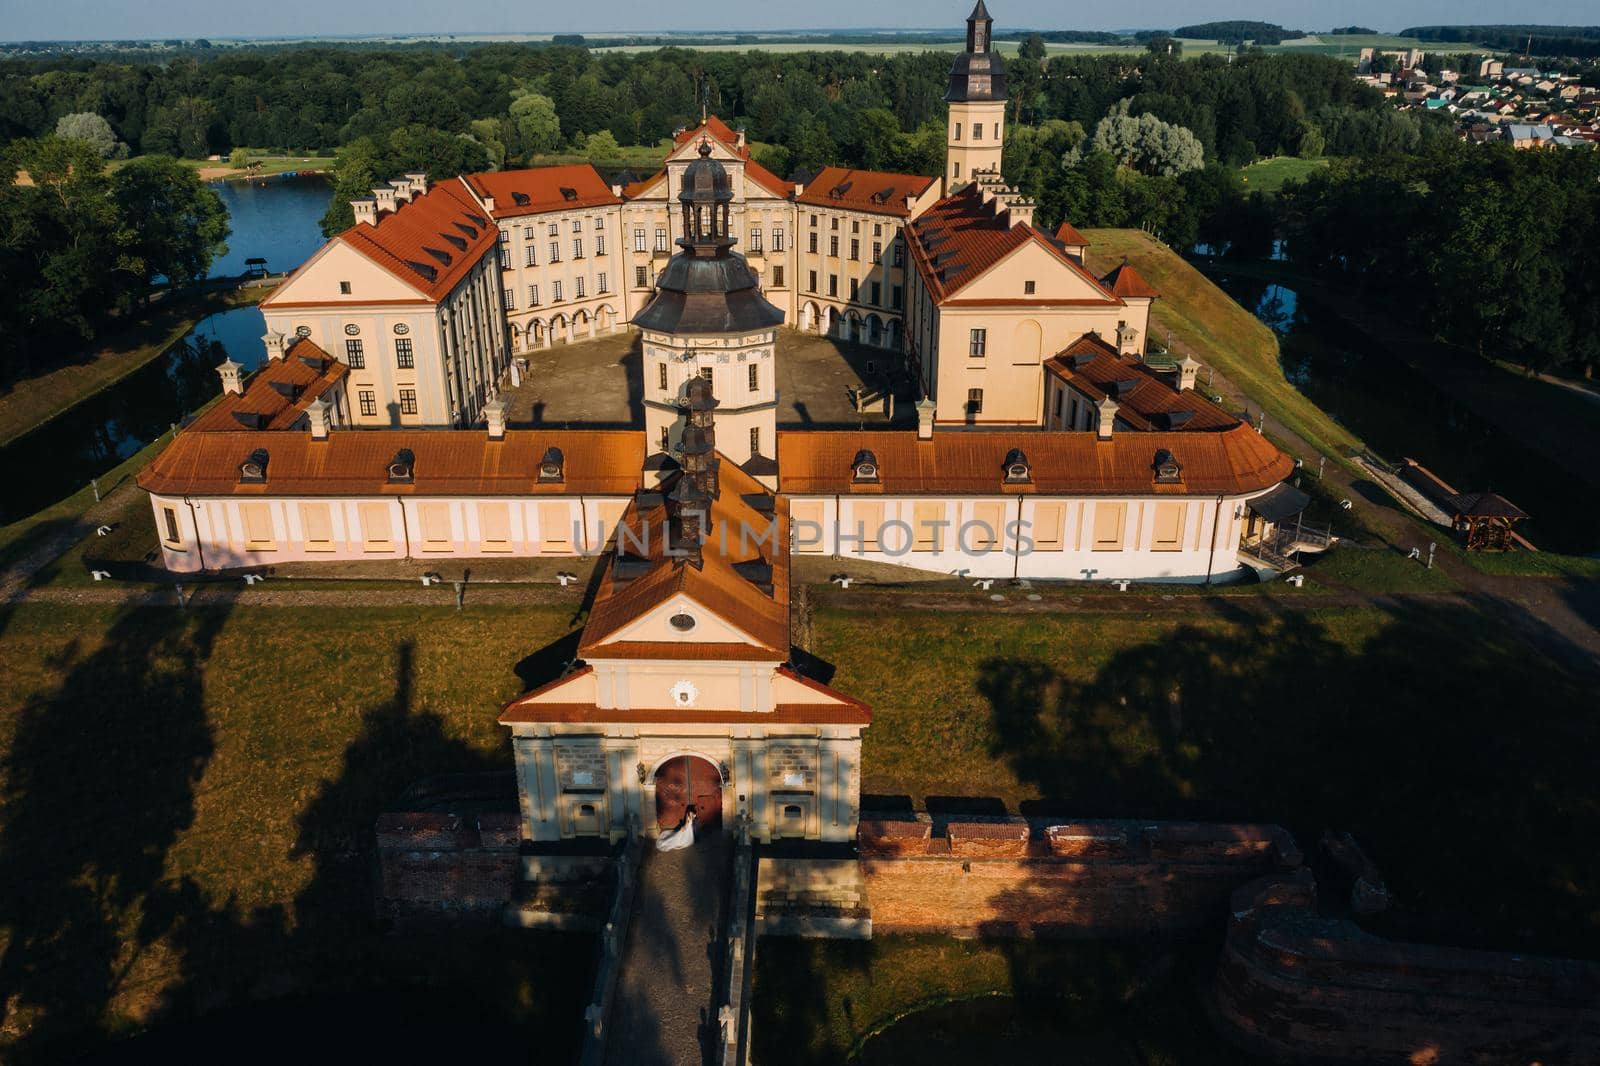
[1293,985]
[447,864]
[1083,879]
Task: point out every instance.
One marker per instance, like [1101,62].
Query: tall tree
[170,224]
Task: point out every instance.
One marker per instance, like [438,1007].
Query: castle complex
[1048,445]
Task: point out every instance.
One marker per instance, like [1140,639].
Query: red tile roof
[541,189]
[1128,283]
[719,130]
[278,393]
[355,463]
[715,584]
[635,189]
[1069,236]
[1144,400]
[713,126]
[959,238]
[1229,462]
[864,190]
[430,243]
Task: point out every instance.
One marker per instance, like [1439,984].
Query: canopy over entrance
[1280,503]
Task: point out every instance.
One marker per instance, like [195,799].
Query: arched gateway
[684,781]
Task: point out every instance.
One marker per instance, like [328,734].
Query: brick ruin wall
[1085,879]
[447,864]
[1293,985]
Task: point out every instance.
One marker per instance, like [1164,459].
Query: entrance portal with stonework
[685,781]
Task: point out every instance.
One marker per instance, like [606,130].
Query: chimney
[228,371]
[1188,369]
[616,190]
[402,189]
[925,409]
[366,210]
[799,187]
[488,203]
[494,413]
[1021,211]
[1108,417]
[740,142]
[274,340]
[383,193]
[419,182]
[317,417]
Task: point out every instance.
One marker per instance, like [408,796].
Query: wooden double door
[687,780]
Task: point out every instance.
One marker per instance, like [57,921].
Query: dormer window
[864,467]
[1018,470]
[402,468]
[552,468]
[1168,470]
[253,471]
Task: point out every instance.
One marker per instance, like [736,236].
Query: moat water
[1400,413]
[277,220]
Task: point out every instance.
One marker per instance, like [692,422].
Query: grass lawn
[1269,175]
[186,802]
[29,402]
[1394,724]
[269,163]
[1223,333]
[818,1001]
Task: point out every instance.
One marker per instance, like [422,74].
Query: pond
[274,218]
[1401,414]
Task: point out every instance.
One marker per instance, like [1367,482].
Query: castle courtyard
[598,382]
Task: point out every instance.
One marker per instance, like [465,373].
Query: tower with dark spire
[709,321]
[977,98]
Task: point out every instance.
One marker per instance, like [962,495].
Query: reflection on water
[60,457]
[1400,414]
[276,219]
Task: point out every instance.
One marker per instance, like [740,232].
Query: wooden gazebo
[1487,519]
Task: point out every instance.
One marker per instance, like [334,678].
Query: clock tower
[975,132]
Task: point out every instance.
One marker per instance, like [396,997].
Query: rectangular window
[1049,522]
[404,358]
[812,242]
[527,233]
[257,519]
[974,401]
[877,229]
[435,522]
[833,285]
[977,131]
[988,525]
[877,293]
[898,296]
[555,291]
[355,356]
[530,255]
[600,283]
[1027,288]
[577,247]
[833,246]
[777,239]
[494,526]
[369,403]
[958,132]
[577,225]
[855,248]
[555,251]
[978,343]
[662,376]
[661,240]
[408,401]
[508,297]
[755,440]
[554,229]
[316,526]
[1167,535]
[641,277]
[705,372]
[813,221]
[505,257]
[555,527]
[755,378]
[811,281]
[777,277]
[344,288]
[805,526]
[639,244]
[855,225]
[755,240]
[1109,518]
[599,223]
[833,223]
[375,528]
[171,518]
[927,527]
[600,244]
[855,289]
[577,287]
[899,253]
[877,251]
[533,296]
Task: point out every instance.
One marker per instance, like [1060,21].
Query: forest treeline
[1574,41]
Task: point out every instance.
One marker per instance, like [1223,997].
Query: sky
[124,19]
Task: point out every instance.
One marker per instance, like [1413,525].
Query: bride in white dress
[679,838]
